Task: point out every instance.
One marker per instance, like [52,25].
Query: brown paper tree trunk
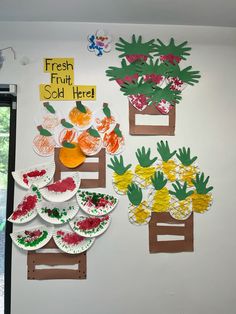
[164,224]
[135,129]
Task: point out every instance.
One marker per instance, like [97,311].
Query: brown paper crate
[53,259]
[170,246]
[99,167]
[150,129]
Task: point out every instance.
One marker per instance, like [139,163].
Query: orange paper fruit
[71,155]
[81,116]
[90,141]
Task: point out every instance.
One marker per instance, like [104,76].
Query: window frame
[9,100]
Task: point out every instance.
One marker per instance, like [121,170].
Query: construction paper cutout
[88,166]
[145,169]
[163,224]
[62,190]
[168,165]
[67,133]
[96,204]
[122,176]
[81,116]
[159,197]
[38,176]
[32,238]
[136,50]
[90,227]
[140,215]
[99,42]
[127,73]
[58,213]
[44,143]
[188,168]
[71,155]
[151,71]
[50,118]
[104,120]
[90,142]
[171,52]
[26,210]
[142,129]
[201,198]
[71,242]
[63,263]
[114,141]
[181,203]
[138,93]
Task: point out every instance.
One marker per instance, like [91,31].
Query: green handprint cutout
[184,157]
[134,194]
[164,150]
[180,191]
[158,180]
[118,165]
[135,88]
[186,75]
[158,94]
[144,157]
[201,184]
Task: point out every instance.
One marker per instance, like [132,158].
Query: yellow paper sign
[61,86]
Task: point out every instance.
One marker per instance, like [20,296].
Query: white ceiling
[177,12]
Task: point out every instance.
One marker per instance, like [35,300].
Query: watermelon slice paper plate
[90,226]
[58,213]
[71,242]
[39,176]
[26,210]
[96,204]
[32,238]
[62,190]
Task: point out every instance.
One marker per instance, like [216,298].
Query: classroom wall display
[151,77]
[166,189]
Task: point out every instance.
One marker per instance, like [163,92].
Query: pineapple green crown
[134,194]
[200,184]
[180,192]
[158,180]
[136,46]
[144,157]
[180,50]
[117,165]
[184,157]
[164,150]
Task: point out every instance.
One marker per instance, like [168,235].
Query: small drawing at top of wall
[99,42]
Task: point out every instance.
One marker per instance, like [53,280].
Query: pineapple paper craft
[153,77]
[170,189]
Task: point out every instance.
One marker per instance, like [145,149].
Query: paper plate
[32,238]
[140,215]
[104,124]
[181,210]
[39,175]
[26,210]
[58,213]
[62,190]
[96,204]
[90,226]
[71,242]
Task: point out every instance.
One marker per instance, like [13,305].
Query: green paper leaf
[118,166]
[134,194]
[152,68]
[80,107]
[186,75]
[93,132]
[158,180]
[200,184]
[172,96]
[44,132]
[68,144]
[138,88]
[66,124]
[120,73]
[180,191]
[135,47]
[106,110]
[184,156]
[180,50]
[144,157]
[164,150]
[118,131]
[49,107]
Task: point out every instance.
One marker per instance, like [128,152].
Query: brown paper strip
[170,246]
[150,129]
[52,259]
[99,167]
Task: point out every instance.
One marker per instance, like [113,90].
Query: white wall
[122,276]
